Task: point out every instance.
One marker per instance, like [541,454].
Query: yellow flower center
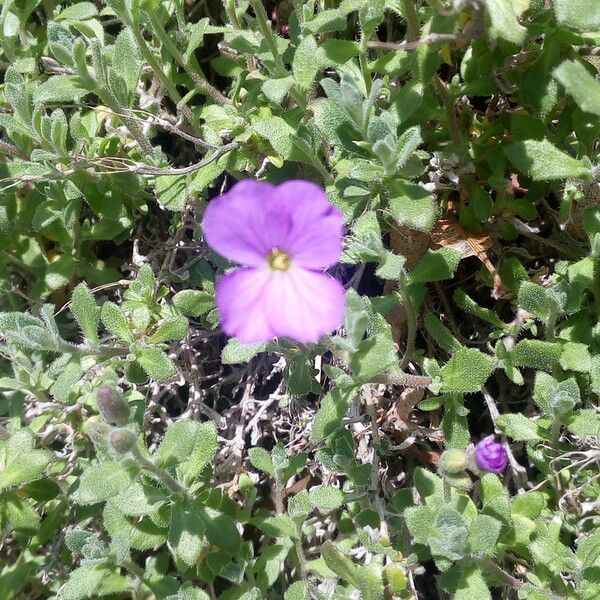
[278,260]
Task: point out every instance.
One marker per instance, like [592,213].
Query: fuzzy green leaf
[412,206]
[86,312]
[542,161]
[156,363]
[519,427]
[466,371]
[578,82]
[326,498]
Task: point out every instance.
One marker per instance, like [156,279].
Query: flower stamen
[278,260]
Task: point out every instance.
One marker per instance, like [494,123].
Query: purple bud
[112,407]
[122,440]
[490,455]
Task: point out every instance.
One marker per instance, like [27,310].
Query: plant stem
[412,20]
[162,76]
[200,81]
[551,324]
[299,10]
[411,334]
[453,126]
[501,574]
[364,66]
[271,39]
[107,96]
[447,492]
[167,480]
[404,380]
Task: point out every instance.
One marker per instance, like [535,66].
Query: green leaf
[24,467]
[537,300]
[299,505]
[173,328]
[578,82]
[502,21]
[178,443]
[329,416]
[220,529]
[196,37]
[367,580]
[412,206]
[537,354]
[542,161]
[141,499]
[297,591]
[186,533]
[127,61]
[466,371]
[171,191]
[466,583]
[519,427]
[102,481]
[375,355]
[436,265]
[204,450]
[156,363]
[276,89]
[553,554]
[326,21]
[588,550]
[80,11]
[484,532]
[193,303]
[59,88]
[583,15]
[584,423]
[66,381]
[83,582]
[441,334]
[408,142]
[391,266]
[86,312]
[279,526]
[575,357]
[261,460]
[116,322]
[326,498]
[236,352]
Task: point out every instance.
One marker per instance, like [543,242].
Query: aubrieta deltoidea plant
[299,299]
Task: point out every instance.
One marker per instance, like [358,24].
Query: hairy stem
[200,81]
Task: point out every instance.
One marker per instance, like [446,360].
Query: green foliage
[465,163]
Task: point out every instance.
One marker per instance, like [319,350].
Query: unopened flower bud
[112,407]
[122,440]
[96,430]
[460,481]
[453,461]
[491,456]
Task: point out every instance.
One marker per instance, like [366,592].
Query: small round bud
[460,481]
[491,456]
[122,440]
[112,407]
[96,430]
[453,461]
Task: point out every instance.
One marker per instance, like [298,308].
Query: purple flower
[490,455]
[284,237]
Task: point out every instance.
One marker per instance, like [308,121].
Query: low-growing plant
[440,439]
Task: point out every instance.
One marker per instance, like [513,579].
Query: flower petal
[234,223]
[315,237]
[303,305]
[240,300]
